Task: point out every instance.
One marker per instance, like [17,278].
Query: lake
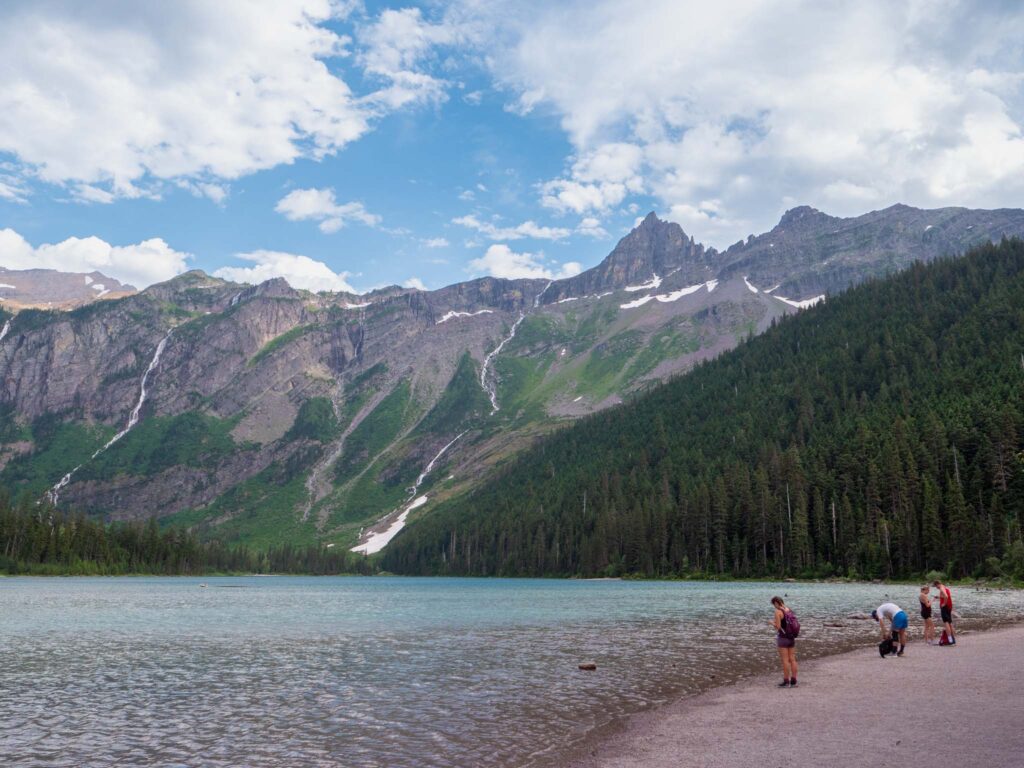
[395,672]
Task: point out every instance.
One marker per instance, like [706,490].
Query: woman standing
[925,599]
[786,643]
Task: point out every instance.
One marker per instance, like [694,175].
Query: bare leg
[792,662]
[784,657]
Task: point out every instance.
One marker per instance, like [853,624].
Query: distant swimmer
[898,622]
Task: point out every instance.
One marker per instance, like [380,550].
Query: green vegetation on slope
[259,512]
[879,434]
[315,421]
[374,433]
[278,342]
[462,403]
[158,443]
[59,447]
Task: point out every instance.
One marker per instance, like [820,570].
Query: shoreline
[846,707]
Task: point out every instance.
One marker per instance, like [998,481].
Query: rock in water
[588,666]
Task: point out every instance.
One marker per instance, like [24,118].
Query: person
[946,609]
[785,643]
[926,600]
[898,621]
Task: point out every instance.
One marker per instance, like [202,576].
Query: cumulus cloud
[849,106]
[395,47]
[591,227]
[501,261]
[320,205]
[436,242]
[110,102]
[140,265]
[301,272]
[526,229]
[415,282]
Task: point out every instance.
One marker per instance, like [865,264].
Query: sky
[349,145]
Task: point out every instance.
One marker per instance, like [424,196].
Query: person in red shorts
[946,609]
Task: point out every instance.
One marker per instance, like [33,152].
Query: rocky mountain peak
[802,215]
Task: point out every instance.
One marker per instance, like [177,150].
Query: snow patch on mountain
[453,314]
[654,283]
[804,303]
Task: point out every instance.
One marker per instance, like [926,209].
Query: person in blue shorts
[898,621]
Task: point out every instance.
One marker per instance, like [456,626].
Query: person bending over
[897,619]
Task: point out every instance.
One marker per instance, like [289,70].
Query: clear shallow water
[279,671]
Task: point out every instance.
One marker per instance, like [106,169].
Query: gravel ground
[958,706]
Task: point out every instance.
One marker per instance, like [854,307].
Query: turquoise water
[274,671]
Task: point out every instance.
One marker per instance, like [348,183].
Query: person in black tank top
[925,598]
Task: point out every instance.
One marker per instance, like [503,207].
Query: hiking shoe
[792,683]
[899,653]
[784,684]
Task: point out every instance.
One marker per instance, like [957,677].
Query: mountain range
[262,414]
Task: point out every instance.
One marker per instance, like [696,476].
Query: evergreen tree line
[876,435]
[38,539]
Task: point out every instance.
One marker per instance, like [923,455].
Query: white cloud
[502,261]
[395,47]
[415,282]
[526,229]
[848,105]
[140,265]
[301,272]
[436,242]
[110,99]
[320,205]
[591,227]
[467,195]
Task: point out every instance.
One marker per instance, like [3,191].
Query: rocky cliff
[262,413]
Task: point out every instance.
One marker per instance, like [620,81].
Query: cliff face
[262,413]
[50,289]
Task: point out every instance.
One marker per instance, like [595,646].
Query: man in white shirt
[898,622]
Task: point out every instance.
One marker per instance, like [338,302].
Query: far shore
[959,705]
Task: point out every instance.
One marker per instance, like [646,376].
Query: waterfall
[377,540]
[536,299]
[492,389]
[430,466]
[133,419]
[6,329]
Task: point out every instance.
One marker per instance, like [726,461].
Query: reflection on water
[381,671]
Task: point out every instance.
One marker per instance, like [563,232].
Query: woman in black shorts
[925,598]
[785,644]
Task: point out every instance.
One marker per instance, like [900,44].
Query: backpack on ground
[886,647]
[944,639]
[790,625]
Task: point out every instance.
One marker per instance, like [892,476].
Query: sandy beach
[962,706]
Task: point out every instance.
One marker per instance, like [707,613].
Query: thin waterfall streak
[430,466]
[133,419]
[492,389]
[536,299]
[376,541]
[5,330]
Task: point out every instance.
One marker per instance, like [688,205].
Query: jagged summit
[802,215]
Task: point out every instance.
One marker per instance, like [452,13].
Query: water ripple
[379,672]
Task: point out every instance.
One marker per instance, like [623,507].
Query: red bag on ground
[944,640]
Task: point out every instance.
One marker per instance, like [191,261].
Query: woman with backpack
[787,629]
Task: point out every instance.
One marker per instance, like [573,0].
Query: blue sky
[349,145]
